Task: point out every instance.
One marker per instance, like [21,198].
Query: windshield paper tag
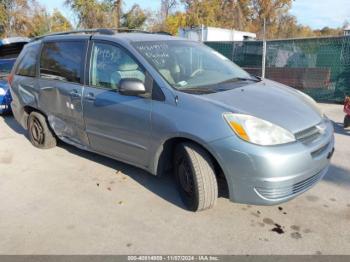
[182,83]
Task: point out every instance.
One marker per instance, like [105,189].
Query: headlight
[2,92]
[258,131]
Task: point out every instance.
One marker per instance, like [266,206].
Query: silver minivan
[163,104]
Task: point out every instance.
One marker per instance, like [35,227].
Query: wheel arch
[27,109]
[165,153]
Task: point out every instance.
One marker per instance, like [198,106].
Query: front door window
[110,64]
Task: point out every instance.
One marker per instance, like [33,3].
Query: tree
[39,22]
[29,18]
[157,22]
[326,31]
[23,17]
[221,13]
[43,23]
[174,22]
[106,13]
[202,12]
[166,7]
[245,15]
[270,11]
[4,18]
[134,18]
[287,27]
[235,14]
[59,23]
[92,13]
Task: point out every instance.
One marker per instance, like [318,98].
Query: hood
[271,101]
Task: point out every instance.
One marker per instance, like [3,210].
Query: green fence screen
[319,67]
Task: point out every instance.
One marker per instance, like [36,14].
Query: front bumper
[268,175]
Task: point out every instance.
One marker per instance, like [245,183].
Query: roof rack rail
[102,31]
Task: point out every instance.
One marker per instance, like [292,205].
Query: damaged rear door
[61,87]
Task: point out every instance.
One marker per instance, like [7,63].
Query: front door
[117,125]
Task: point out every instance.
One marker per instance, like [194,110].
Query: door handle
[90,97]
[74,93]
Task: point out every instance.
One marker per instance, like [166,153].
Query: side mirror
[131,87]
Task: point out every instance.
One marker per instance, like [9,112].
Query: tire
[40,134]
[346,121]
[195,177]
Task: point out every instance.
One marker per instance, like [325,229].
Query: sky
[320,13]
[314,13]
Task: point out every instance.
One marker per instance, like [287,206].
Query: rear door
[117,125]
[61,87]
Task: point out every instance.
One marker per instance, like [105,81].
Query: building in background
[207,34]
[347,30]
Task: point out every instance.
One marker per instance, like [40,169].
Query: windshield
[6,66]
[192,66]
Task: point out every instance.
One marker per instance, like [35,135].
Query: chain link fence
[319,67]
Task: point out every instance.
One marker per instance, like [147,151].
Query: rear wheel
[40,134]
[195,177]
[346,121]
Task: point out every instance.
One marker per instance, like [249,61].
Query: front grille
[308,135]
[288,191]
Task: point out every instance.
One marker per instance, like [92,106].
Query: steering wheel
[197,71]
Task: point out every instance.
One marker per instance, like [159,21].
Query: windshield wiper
[197,90]
[236,79]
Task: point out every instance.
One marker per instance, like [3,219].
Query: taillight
[10,79]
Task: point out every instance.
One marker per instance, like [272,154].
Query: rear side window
[27,64]
[62,60]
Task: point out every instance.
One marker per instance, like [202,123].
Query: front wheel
[195,177]
[346,121]
[40,134]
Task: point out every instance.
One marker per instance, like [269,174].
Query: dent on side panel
[27,97]
[50,100]
[59,126]
[49,103]
[23,94]
[64,112]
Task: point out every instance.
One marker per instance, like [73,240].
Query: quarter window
[62,60]
[110,64]
[27,64]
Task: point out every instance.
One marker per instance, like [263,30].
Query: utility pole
[202,33]
[263,63]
